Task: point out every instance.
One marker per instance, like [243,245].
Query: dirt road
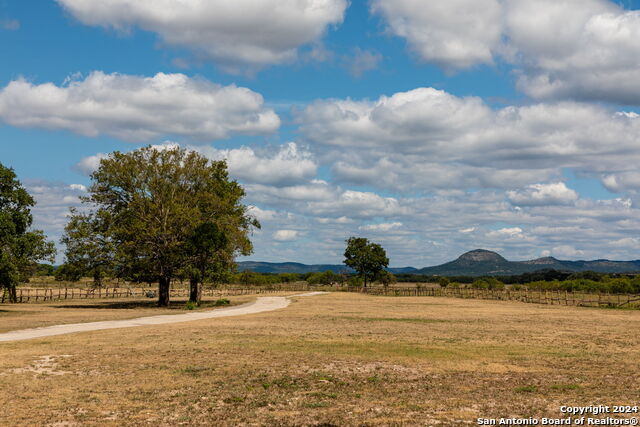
[262,304]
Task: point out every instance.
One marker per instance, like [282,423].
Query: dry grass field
[337,359]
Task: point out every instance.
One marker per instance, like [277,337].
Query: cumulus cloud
[287,166]
[235,34]
[285,235]
[381,227]
[427,139]
[454,33]
[53,200]
[87,165]
[577,49]
[509,233]
[587,50]
[566,251]
[621,182]
[135,108]
[543,194]
[261,214]
[78,187]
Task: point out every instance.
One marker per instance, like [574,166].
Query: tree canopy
[20,247]
[154,204]
[368,259]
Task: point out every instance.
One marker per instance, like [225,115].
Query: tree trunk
[97,278]
[365,280]
[13,297]
[163,291]
[196,290]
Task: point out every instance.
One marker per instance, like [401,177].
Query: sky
[430,127]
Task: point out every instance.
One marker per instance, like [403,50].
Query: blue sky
[432,128]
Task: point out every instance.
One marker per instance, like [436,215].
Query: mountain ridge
[477,262]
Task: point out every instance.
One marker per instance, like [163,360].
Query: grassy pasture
[338,359]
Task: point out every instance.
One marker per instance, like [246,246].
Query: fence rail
[27,295]
[530,296]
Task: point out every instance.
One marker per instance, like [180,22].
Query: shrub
[444,282]
[488,283]
[387,278]
[190,305]
[355,281]
[222,301]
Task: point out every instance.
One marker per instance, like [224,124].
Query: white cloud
[78,187]
[53,200]
[262,214]
[623,181]
[587,49]
[285,235]
[381,227]
[235,34]
[454,33]
[566,251]
[135,108]
[427,139]
[576,49]
[314,191]
[89,164]
[510,232]
[467,230]
[543,194]
[287,166]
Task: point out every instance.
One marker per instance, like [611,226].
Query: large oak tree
[155,202]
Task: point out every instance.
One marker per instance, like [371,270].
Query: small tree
[90,251]
[443,282]
[366,258]
[68,273]
[20,247]
[387,278]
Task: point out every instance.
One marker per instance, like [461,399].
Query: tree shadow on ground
[129,305]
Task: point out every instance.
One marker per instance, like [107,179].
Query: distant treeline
[245,278]
[537,276]
[552,280]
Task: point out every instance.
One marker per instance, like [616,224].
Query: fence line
[529,296]
[27,295]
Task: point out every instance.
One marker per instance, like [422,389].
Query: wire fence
[578,299]
[28,295]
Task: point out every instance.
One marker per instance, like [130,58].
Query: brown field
[338,359]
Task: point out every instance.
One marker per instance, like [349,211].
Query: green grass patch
[526,389]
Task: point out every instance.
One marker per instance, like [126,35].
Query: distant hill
[481,262]
[478,262]
[294,267]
